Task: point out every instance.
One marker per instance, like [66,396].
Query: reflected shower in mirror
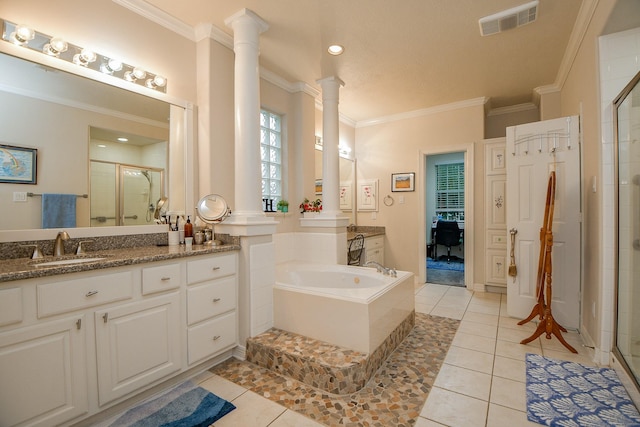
[627,125]
[127,171]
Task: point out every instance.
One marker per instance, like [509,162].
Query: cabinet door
[43,373]
[137,344]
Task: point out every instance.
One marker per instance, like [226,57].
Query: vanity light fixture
[28,38]
[335,50]
[22,35]
[85,57]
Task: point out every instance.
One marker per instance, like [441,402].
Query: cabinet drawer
[161,278]
[70,295]
[211,268]
[212,337]
[10,306]
[374,242]
[210,299]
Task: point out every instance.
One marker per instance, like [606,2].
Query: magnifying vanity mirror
[212,209]
[74,123]
[627,128]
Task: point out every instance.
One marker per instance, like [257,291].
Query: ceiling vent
[508,19]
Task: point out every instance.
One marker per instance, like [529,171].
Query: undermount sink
[68,261]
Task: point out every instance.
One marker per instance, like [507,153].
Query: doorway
[447,198]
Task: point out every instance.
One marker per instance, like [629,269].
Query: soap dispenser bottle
[188,228]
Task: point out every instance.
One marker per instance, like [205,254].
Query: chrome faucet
[382,269]
[58,246]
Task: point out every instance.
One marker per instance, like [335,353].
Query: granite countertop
[365,231]
[25,268]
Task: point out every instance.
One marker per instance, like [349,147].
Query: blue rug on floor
[443,265]
[186,405]
[567,394]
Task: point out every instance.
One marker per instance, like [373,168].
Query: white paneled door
[533,151]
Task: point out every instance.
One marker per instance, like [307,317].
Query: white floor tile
[515,350]
[509,393]
[251,410]
[452,313]
[464,381]
[499,416]
[485,319]
[470,359]
[469,327]
[474,342]
[511,369]
[423,422]
[293,419]
[512,334]
[222,388]
[445,407]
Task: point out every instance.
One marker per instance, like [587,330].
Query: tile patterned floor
[480,383]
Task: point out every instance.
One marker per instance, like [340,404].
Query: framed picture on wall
[403,181]
[368,195]
[318,187]
[345,196]
[18,164]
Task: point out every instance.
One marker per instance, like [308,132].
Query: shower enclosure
[124,194]
[627,126]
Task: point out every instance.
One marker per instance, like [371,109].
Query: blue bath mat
[443,265]
[567,394]
[186,405]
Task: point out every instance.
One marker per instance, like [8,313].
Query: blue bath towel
[58,210]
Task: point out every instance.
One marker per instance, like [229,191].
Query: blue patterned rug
[186,405]
[454,265]
[568,394]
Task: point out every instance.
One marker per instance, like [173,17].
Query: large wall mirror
[347,184]
[627,126]
[123,149]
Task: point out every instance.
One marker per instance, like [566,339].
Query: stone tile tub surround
[334,369]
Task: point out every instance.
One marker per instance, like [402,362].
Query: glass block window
[450,191]
[271,156]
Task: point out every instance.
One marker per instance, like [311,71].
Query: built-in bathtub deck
[328,367]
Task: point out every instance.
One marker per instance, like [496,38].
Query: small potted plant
[283,206]
[310,208]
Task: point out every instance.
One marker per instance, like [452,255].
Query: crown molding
[578,33]
[528,106]
[210,31]
[158,16]
[283,83]
[424,112]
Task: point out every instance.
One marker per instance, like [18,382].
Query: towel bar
[84,196]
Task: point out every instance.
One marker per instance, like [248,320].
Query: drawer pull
[216,299]
[79,324]
[216,337]
[91,293]
[164,279]
[105,317]
[216,268]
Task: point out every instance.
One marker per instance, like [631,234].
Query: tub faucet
[382,269]
[58,246]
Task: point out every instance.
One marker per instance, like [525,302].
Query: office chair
[447,234]
[355,250]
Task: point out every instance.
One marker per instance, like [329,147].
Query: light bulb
[85,57]
[335,49]
[157,81]
[55,46]
[22,35]
[111,66]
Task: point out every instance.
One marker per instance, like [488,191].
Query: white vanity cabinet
[374,250]
[75,344]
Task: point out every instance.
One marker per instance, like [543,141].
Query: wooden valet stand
[542,308]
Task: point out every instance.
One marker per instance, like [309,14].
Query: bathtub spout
[382,269]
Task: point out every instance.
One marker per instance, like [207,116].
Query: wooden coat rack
[542,308]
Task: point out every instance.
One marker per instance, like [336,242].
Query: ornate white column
[330,141]
[247,27]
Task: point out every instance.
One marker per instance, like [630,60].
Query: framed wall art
[403,181]
[18,164]
[368,195]
[346,196]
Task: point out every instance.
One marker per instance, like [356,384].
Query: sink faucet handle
[80,249]
[36,251]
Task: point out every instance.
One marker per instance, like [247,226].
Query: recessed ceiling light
[335,49]
[102,146]
[122,139]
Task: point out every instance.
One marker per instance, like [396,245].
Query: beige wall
[399,146]
[580,95]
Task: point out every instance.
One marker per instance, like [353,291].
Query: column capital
[247,14]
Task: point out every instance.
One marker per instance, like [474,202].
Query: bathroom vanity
[373,243]
[80,338]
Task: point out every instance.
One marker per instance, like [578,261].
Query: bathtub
[353,307]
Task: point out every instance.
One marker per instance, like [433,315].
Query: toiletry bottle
[188,228]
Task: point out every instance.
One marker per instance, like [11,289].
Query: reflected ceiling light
[157,81]
[110,66]
[55,46]
[123,139]
[85,57]
[135,74]
[335,49]
[102,146]
[22,35]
